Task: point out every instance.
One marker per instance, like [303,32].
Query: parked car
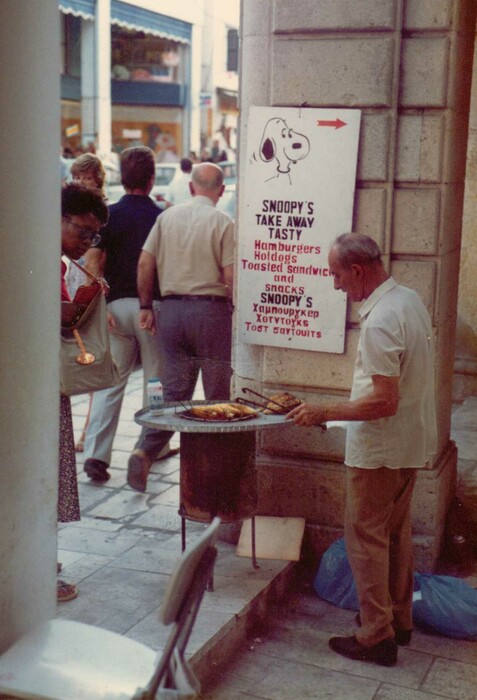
[113,175]
[165,174]
[114,189]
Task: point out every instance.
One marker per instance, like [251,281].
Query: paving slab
[451,679]
[121,505]
[79,539]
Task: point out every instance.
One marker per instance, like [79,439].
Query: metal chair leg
[183,529]
[254,557]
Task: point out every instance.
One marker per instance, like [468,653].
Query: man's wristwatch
[145,307]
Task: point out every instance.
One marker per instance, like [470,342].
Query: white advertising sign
[297,195]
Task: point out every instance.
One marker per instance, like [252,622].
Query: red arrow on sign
[337,123]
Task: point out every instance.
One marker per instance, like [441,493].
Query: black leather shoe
[401,637]
[97,470]
[384,653]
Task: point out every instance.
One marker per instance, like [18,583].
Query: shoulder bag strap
[88,274]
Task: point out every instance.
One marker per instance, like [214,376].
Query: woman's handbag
[86,361]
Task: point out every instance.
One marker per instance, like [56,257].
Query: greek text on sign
[298,193]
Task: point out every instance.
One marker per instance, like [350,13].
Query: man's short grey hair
[356,248]
[208,178]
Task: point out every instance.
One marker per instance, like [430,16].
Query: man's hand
[147,321]
[381,402]
[307,415]
[146,268]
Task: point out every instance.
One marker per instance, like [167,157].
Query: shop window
[140,57]
[70,45]
[232,50]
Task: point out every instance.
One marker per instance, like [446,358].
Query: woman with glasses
[88,170]
[83,214]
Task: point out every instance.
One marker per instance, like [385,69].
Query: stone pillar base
[315,490]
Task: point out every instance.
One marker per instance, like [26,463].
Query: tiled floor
[121,554]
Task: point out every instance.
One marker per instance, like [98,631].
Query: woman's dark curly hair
[77,200]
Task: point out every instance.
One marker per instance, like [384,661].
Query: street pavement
[261,633]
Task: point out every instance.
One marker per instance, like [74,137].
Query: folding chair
[65,660]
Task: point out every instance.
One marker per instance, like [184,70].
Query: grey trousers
[129,346]
[194,335]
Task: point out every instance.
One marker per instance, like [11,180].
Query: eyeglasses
[85,233]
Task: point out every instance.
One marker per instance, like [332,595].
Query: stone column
[29,316]
[407,67]
[465,367]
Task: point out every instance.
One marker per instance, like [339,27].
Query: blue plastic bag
[446,605]
[334,581]
[443,604]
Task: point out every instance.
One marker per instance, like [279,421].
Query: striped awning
[78,8]
[137,19]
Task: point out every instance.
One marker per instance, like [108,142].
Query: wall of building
[465,377]
[407,66]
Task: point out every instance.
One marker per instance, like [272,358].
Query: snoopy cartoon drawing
[284,145]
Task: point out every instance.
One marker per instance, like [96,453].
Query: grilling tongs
[246,390]
[279,410]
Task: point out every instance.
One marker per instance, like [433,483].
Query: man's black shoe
[384,653]
[401,637]
[96,470]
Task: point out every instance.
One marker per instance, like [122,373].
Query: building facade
[219,82]
[133,73]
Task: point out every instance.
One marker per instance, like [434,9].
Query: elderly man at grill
[191,246]
[391,432]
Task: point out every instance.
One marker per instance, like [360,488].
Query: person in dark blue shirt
[115,259]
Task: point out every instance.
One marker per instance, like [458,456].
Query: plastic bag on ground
[447,605]
[334,581]
[441,604]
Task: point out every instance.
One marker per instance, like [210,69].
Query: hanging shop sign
[297,193]
[205,99]
[132,134]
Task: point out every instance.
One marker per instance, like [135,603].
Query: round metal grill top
[172,419]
